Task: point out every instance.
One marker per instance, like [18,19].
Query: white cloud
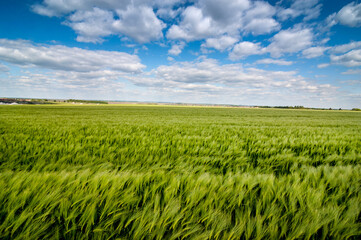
[262,26]
[223,11]
[103,84]
[328,23]
[274,61]
[310,9]
[91,25]
[346,47]
[57,71]
[168,13]
[93,20]
[59,57]
[244,49]
[323,65]
[214,18]
[303,4]
[314,52]
[140,23]
[176,49]
[350,59]
[258,20]
[3,68]
[205,80]
[352,72]
[62,7]
[222,43]
[312,13]
[348,55]
[210,71]
[290,41]
[286,13]
[352,82]
[194,26]
[350,15]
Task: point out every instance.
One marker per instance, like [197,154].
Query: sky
[242,52]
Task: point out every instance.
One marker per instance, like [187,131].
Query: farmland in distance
[161,172]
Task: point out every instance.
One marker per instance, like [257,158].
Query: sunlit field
[150,172]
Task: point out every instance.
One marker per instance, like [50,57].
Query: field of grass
[143,172]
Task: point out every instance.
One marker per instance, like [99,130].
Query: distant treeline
[87,101]
[287,107]
[24,101]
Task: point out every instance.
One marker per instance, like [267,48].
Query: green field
[148,172]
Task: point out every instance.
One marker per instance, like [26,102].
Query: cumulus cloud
[91,25]
[314,52]
[323,65]
[348,55]
[352,72]
[3,68]
[350,15]
[139,23]
[310,9]
[208,80]
[258,19]
[346,47]
[290,41]
[209,71]
[223,11]
[214,18]
[352,82]
[93,20]
[168,13]
[176,49]
[103,84]
[244,49]
[59,57]
[61,7]
[349,59]
[194,26]
[140,20]
[261,26]
[48,70]
[222,43]
[72,80]
[274,61]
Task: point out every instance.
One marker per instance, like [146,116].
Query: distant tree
[356,109]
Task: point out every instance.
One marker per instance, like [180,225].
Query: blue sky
[279,52]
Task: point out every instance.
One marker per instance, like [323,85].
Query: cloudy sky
[276,52]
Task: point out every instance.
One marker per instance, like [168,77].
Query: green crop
[147,172]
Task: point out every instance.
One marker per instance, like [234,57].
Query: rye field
[161,172]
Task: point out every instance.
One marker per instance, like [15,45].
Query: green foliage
[356,109]
[108,172]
